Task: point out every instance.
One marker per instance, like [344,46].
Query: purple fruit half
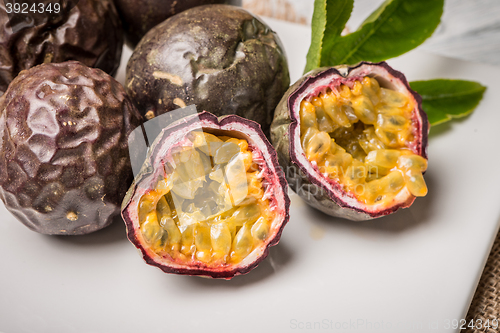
[64,162]
[353,140]
[210,199]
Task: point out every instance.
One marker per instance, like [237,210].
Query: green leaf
[396,27]
[443,100]
[328,22]
[338,13]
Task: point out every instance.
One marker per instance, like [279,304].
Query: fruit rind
[145,180]
[64,165]
[219,57]
[90,32]
[140,16]
[301,176]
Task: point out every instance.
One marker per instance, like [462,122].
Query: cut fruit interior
[214,203]
[210,207]
[361,133]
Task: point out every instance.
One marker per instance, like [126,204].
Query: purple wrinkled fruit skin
[88,31]
[64,161]
[219,57]
[140,16]
[308,185]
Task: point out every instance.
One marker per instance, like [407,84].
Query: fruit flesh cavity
[209,207]
[359,135]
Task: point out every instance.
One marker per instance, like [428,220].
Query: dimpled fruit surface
[64,160]
[88,31]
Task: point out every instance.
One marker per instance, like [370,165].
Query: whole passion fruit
[210,199]
[64,162]
[219,57]
[353,140]
[88,31]
[139,16]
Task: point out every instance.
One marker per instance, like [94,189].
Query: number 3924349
[473,323]
[36,8]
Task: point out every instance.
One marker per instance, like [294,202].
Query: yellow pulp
[209,208]
[359,138]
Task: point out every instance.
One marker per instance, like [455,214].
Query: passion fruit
[219,57]
[88,31]
[139,16]
[64,162]
[353,140]
[210,199]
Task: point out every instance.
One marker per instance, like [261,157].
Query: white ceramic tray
[414,271]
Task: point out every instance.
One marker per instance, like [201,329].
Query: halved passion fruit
[358,136]
[210,199]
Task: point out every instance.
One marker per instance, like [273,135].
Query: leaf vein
[451,95]
[371,32]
